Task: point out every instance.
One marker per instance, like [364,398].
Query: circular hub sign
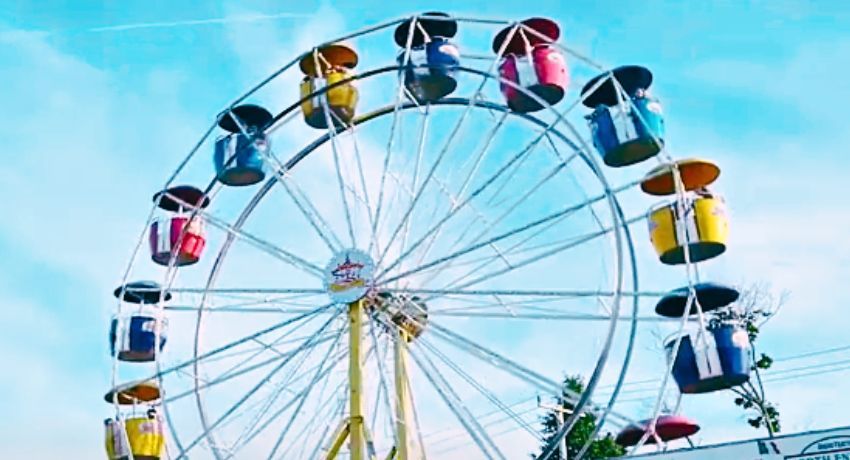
[349,275]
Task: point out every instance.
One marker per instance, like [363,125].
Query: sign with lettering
[831,448]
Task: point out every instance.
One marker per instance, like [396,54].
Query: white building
[832,444]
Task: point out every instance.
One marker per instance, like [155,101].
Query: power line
[781,359]
[813,353]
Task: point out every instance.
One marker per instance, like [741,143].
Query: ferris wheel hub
[349,275]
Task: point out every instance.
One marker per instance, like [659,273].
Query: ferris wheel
[389,254]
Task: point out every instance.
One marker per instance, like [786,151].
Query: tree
[754,308]
[602,447]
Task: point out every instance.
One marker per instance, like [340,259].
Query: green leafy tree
[755,307]
[601,447]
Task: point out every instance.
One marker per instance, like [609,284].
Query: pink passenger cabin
[531,62]
[667,428]
[178,234]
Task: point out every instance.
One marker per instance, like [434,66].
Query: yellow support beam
[355,380]
[402,398]
[339,439]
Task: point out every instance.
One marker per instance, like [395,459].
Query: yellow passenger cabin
[142,436]
[328,71]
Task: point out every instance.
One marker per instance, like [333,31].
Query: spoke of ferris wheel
[561,247]
[383,390]
[241,341]
[283,304]
[490,225]
[420,149]
[450,433]
[352,134]
[287,405]
[479,216]
[455,404]
[325,373]
[284,384]
[554,150]
[310,212]
[546,305]
[446,146]
[307,390]
[550,221]
[296,397]
[557,293]
[252,295]
[512,308]
[325,406]
[550,316]
[454,209]
[257,387]
[336,415]
[335,149]
[307,209]
[265,246]
[494,359]
[514,206]
[238,309]
[485,143]
[485,148]
[391,140]
[235,371]
[234,291]
[545,132]
[455,447]
[326,411]
[255,352]
[489,395]
[513,232]
[483,152]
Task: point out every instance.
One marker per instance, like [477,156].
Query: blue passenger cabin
[626,123]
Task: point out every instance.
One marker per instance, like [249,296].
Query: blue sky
[97,119]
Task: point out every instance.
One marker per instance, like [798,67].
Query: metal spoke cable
[389,150]
[233,373]
[255,388]
[494,359]
[265,246]
[383,387]
[335,149]
[547,254]
[449,141]
[455,209]
[362,179]
[284,384]
[423,137]
[482,153]
[309,212]
[489,395]
[241,341]
[515,231]
[340,358]
[300,405]
[467,420]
